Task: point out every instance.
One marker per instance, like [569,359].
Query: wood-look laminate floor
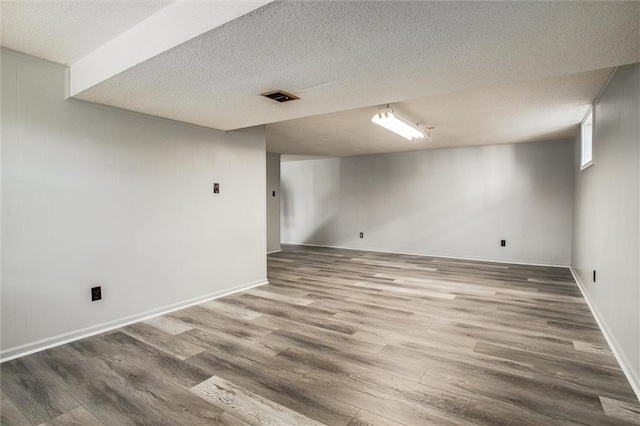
[343,337]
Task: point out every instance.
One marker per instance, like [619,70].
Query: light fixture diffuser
[390,120]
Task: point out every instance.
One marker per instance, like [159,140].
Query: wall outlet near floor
[362,235]
[503,243]
[96,293]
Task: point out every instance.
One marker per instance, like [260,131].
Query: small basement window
[586,137]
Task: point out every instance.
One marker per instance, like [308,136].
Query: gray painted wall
[447,202]
[273,203]
[606,233]
[98,196]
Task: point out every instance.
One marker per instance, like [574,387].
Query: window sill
[586,165]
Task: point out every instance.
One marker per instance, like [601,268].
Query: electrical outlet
[96,293]
[503,243]
[216,188]
[594,275]
[362,235]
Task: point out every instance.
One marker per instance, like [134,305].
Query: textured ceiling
[65,31]
[539,110]
[343,55]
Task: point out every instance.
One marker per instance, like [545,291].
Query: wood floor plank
[443,285]
[548,403]
[311,331]
[121,345]
[238,361]
[347,374]
[226,419]
[435,357]
[231,310]
[167,343]
[38,397]
[77,417]
[63,365]
[365,418]
[621,410]
[401,366]
[280,297]
[295,388]
[394,408]
[248,406]
[89,347]
[10,415]
[554,366]
[407,290]
[310,316]
[157,393]
[114,405]
[217,342]
[591,348]
[217,321]
[167,325]
[365,309]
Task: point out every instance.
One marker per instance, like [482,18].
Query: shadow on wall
[321,234]
[310,204]
[286,206]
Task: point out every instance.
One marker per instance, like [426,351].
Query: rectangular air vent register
[279,96]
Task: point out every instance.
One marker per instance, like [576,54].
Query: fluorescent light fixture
[397,124]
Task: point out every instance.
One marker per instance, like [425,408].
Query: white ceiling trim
[168,28]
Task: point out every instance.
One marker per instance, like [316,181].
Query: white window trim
[586,165]
[591,113]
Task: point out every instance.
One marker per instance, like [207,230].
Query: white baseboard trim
[61,339]
[622,360]
[274,251]
[439,256]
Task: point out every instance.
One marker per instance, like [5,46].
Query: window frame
[590,116]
